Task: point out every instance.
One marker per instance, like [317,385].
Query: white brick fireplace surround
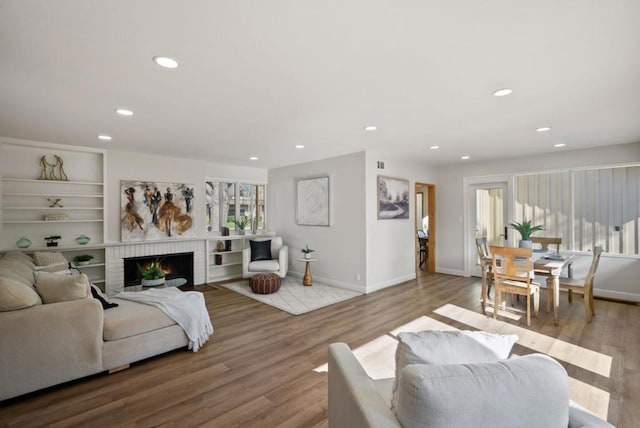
[115,255]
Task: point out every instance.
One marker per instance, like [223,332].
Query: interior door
[489,201]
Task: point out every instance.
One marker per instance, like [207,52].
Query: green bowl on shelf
[82,239]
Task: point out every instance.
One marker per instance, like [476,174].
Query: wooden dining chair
[512,273]
[546,242]
[584,286]
[485,264]
[422,247]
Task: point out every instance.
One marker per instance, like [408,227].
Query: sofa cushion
[18,269]
[16,295]
[131,318]
[21,258]
[450,347]
[264,266]
[507,393]
[61,288]
[45,258]
[260,250]
[276,245]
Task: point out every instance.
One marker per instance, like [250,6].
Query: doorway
[488,216]
[425,225]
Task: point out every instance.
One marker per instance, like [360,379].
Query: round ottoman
[265,283]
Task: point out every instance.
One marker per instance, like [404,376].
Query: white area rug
[295,298]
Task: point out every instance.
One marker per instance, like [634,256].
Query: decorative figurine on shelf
[23,242]
[83,239]
[52,240]
[55,203]
[53,171]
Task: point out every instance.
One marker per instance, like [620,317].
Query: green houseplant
[243,222]
[83,259]
[152,274]
[526,229]
[307,252]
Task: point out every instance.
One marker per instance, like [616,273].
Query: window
[585,208]
[228,201]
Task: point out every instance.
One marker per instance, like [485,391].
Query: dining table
[547,263]
[551,265]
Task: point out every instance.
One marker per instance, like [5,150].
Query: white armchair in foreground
[265,255]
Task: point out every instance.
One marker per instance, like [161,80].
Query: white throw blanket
[187,308]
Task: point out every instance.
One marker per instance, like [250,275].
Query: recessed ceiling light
[165,62]
[559,145]
[104,137]
[299,146]
[503,92]
[370,128]
[434,147]
[543,129]
[253,158]
[464,157]
[124,112]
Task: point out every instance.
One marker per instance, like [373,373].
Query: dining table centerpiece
[526,230]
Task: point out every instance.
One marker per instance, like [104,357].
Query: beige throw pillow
[61,288]
[16,295]
[45,258]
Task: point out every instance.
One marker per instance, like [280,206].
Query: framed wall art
[312,202]
[154,210]
[393,198]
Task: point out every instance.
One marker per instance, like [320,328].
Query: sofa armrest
[49,344]
[354,401]
[579,417]
[246,259]
[283,261]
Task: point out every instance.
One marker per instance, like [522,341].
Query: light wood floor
[257,369]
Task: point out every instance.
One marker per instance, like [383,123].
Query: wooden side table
[307,280]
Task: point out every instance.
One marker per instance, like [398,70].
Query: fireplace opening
[178,269]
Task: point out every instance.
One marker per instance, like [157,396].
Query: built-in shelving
[27,200]
[231,260]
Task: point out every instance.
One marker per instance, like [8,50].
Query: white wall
[150,167]
[618,277]
[339,248]
[391,247]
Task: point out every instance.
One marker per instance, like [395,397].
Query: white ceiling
[258,77]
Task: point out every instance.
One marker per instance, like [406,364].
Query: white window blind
[584,207]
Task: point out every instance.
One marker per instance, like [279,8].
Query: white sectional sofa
[357,401]
[42,345]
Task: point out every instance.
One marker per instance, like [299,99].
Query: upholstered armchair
[265,255]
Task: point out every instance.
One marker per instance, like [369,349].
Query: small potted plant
[83,259]
[526,229]
[152,274]
[52,240]
[307,252]
[243,222]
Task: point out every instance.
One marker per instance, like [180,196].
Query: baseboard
[390,283]
[450,271]
[331,282]
[616,295]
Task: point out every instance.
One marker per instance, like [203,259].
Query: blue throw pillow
[260,250]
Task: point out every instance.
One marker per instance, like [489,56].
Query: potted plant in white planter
[152,274]
[307,252]
[526,229]
[242,223]
[83,259]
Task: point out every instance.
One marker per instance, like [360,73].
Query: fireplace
[178,268]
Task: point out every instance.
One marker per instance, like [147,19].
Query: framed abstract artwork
[393,198]
[154,211]
[312,202]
